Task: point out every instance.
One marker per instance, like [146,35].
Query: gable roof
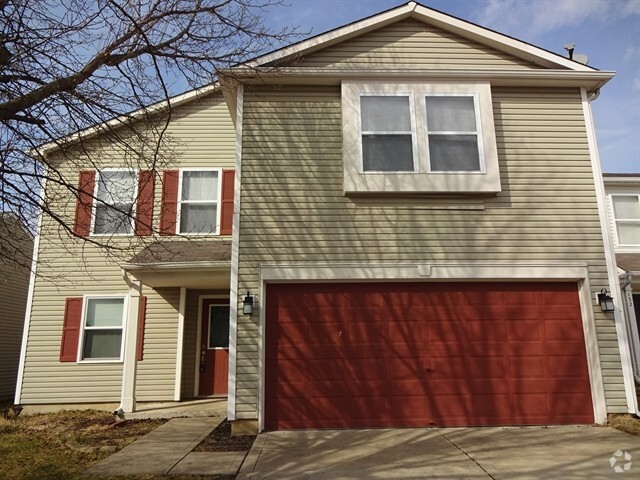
[455,25]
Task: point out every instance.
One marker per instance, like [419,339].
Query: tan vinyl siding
[293,208]
[412,44]
[14,287]
[203,136]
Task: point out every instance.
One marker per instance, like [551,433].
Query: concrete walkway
[168,450]
[569,453]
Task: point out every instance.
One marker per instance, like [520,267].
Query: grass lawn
[60,446]
[624,422]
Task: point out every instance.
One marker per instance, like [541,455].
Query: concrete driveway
[573,452]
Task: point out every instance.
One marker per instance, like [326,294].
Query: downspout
[609,252]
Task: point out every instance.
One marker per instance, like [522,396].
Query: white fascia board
[438,19]
[591,80]
[627,181]
[132,267]
[124,119]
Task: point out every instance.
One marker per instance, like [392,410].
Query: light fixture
[605,301]
[247,304]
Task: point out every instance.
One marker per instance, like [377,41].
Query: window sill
[422,183]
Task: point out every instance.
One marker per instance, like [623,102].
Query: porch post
[181,313]
[130,365]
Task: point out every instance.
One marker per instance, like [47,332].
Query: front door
[214,347]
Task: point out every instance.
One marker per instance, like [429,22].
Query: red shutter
[169,211]
[84,204]
[142,316]
[226,217]
[71,329]
[144,209]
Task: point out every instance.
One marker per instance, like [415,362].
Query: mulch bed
[220,440]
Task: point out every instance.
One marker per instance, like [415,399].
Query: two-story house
[416,239]
[623,213]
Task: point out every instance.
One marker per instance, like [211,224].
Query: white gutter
[27,313]
[610,258]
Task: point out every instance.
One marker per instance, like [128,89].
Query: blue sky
[607,31]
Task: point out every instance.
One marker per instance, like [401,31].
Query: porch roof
[182,263]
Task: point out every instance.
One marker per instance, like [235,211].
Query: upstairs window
[387,134]
[199,199]
[419,138]
[452,134]
[626,210]
[116,191]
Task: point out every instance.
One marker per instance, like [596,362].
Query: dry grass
[625,422]
[60,446]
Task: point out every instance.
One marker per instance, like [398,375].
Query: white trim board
[29,306]
[610,257]
[182,309]
[470,271]
[235,247]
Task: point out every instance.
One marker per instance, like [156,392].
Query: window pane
[116,219]
[450,114]
[628,233]
[104,312]
[451,153]
[385,114]
[219,326]
[200,186]
[116,187]
[626,207]
[102,344]
[387,153]
[198,218]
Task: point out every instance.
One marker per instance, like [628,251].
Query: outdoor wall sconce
[247,304]
[605,301]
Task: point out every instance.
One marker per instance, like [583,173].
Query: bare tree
[71,64]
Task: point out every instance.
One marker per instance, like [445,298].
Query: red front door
[214,347]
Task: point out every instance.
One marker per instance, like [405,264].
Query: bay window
[419,138]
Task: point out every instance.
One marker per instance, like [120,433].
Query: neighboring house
[418,238]
[16,249]
[623,212]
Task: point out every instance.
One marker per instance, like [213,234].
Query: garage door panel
[406,368]
[488,386]
[421,354]
[523,330]
[527,367]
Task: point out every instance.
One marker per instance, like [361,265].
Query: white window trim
[218,201]
[95,201]
[83,320]
[413,132]
[487,180]
[477,132]
[623,220]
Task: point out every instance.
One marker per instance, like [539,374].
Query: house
[623,212]
[412,232]
[16,247]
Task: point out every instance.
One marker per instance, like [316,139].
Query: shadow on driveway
[573,452]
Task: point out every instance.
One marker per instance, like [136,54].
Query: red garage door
[423,354]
